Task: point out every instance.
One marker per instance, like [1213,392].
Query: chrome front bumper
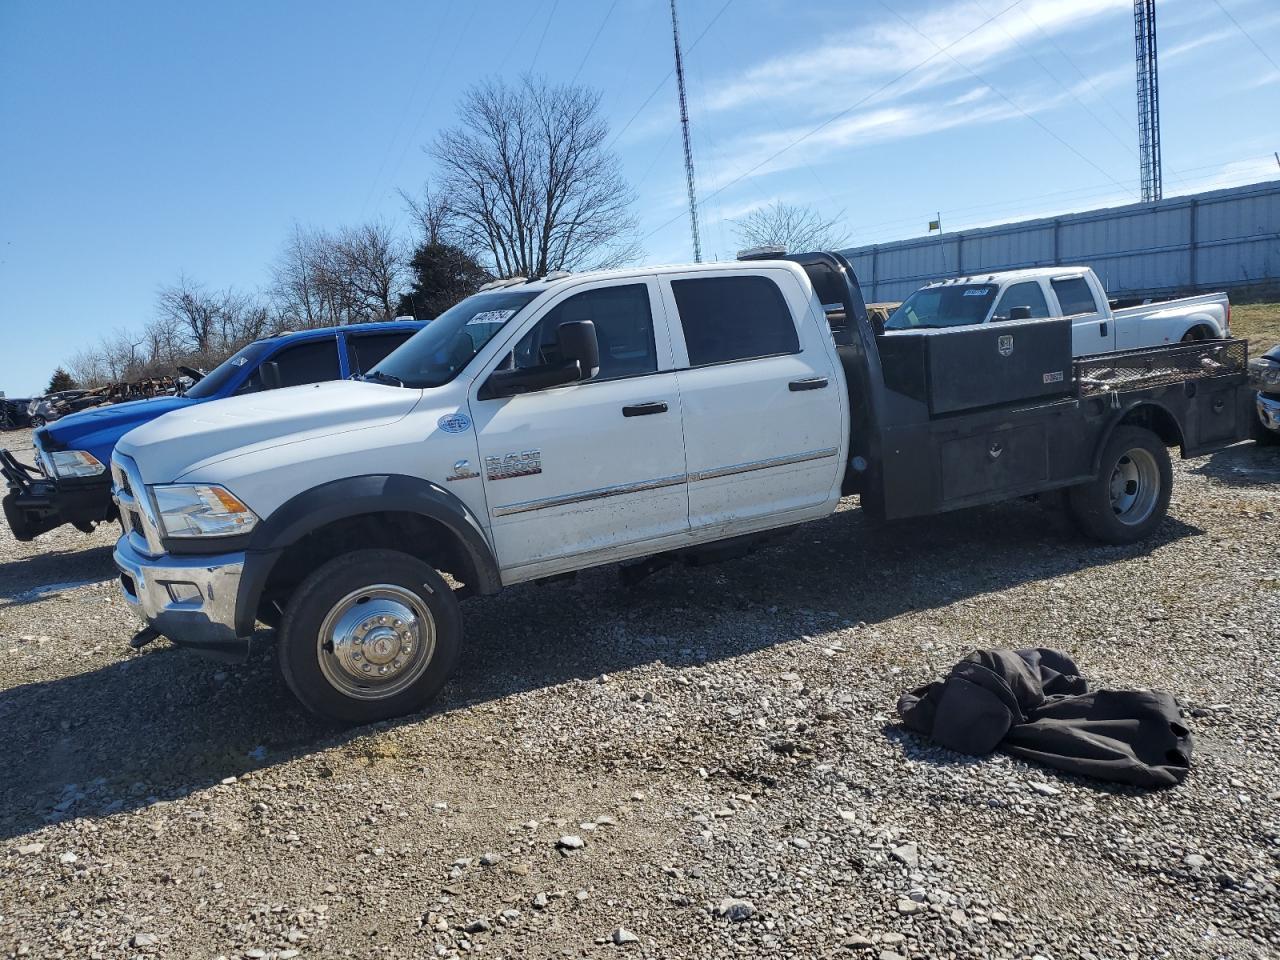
[190,600]
[1269,412]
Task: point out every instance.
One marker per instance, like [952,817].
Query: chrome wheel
[376,642]
[1135,486]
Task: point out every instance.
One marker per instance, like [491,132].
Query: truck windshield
[438,352]
[222,375]
[949,306]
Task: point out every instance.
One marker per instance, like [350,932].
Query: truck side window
[1022,295]
[624,327]
[305,363]
[733,318]
[1075,296]
[369,349]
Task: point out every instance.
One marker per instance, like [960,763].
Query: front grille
[131,497]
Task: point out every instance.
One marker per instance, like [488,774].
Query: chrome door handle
[811,383]
[644,409]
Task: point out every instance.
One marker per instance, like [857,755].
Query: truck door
[764,411]
[591,467]
[1091,328]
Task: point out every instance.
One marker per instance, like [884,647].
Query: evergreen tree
[442,275]
[61,380]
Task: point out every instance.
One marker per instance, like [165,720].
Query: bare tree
[326,279]
[371,262]
[530,181]
[190,312]
[432,213]
[302,284]
[797,228]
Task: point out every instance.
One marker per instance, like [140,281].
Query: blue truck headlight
[75,463]
[201,510]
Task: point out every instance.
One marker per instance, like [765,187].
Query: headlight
[1269,374]
[75,463]
[201,510]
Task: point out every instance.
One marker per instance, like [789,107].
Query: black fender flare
[352,497]
[1122,414]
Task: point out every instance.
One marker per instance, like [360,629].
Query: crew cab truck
[70,482]
[1074,292]
[542,427]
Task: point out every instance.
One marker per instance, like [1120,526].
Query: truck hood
[77,431]
[182,441]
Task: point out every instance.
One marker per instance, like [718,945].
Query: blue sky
[142,141]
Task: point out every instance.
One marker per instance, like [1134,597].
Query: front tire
[370,635]
[37,422]
[1130,495]
[1260,434]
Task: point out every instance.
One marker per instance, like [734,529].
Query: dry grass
[1259,323]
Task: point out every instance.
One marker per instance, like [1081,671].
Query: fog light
[182,592]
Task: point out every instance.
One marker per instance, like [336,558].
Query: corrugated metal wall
[1219,240]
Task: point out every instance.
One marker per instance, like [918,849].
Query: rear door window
[733,318]
[1074,296]
[1022,295]
[367,350]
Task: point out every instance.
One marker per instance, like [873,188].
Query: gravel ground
[706,765]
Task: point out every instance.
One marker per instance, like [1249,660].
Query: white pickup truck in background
[1074,292]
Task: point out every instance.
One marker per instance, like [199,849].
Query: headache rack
[1157,366]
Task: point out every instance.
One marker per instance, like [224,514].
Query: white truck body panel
[596,486]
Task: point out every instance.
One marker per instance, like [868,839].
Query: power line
[592,45]
[1127,144]
[1003,96]
[547,26]
[842,113]
[435,88]
[1247,35]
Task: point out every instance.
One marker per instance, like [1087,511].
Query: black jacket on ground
[1035,705]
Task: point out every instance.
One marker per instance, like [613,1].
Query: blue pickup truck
[71,482]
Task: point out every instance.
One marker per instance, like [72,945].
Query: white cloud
[889,48]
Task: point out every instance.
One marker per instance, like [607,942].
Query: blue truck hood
[98,428]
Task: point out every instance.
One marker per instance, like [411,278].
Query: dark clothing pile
[1035,705]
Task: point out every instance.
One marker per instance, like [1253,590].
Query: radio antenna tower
[1144,30]
[684,128]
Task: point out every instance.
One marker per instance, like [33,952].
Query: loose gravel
[705,765]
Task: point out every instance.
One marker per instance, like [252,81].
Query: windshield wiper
[379,377]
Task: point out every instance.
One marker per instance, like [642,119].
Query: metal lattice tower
[684,128]
[1144,32]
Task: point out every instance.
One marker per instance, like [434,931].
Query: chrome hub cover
[376,642]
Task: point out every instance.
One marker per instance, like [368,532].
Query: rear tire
[370,635]
[1129,498]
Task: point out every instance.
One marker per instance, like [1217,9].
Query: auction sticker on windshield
[490,316]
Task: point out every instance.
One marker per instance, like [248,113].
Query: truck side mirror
[1019,313]
[578,342]
[579,360]
[269,372]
